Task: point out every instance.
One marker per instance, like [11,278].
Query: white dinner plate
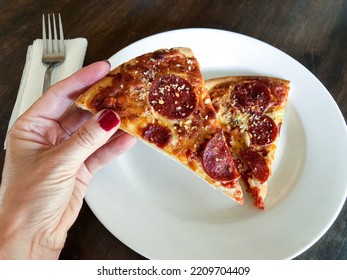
[163,211]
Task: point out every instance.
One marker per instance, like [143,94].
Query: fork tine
[55,37]
[52,58]
[61,41]
[49,35]
[44,42]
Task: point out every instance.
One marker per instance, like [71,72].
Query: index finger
[59,97]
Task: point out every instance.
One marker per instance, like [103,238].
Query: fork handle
[47,80]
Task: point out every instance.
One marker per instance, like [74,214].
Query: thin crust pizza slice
[162,99]
[250,110]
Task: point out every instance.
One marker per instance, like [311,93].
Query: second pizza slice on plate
[250,110]
[162,99]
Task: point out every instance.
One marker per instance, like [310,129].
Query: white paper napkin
[31,84]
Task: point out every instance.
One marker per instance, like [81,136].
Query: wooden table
[312,32]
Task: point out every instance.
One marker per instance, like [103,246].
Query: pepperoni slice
[252,96]
[217,160]
[263,130]
[255,165]
[173,97]
[157,134]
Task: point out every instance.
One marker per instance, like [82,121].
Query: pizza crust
[83,101]
[211,83]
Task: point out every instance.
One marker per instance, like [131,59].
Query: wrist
[9,237]
[17,241]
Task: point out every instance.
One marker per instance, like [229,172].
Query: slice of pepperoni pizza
[162,99]
[250,110]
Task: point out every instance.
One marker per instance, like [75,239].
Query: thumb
[91,135]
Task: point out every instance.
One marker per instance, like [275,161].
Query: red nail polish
[108,120]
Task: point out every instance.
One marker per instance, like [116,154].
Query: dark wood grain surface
[313,32]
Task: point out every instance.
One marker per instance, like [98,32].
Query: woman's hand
[53,150]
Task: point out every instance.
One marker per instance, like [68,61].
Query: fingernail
[108,120]
[109,63]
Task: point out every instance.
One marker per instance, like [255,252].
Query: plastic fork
[53,51]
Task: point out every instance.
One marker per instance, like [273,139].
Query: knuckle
[86,138]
